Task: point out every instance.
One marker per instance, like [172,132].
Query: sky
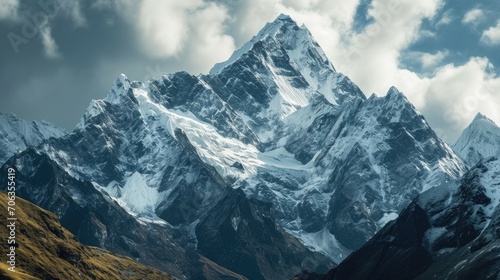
[56,56]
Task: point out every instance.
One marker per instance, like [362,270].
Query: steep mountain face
[16,135]
[481,139]
[242,235]
[48,251]
[383,156]
[273,150]
[447,232]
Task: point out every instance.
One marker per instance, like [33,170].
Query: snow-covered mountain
[273,138]
[16,134]
[481,139]
[447,232]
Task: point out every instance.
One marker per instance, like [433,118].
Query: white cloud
[191,31]
[446,18]
[456,93]
[164,26]
[473,16]
[371,57]
[50,47]
[74,12]
[208,43]
[8,9]
[491,36]
[430,60]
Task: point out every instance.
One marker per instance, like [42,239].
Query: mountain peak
[482,122]
[284,17]
[120,87]
[17,134]
[393,91]
[394,95]
[275,27]
[480,139]
[271,29]
[299,54]
[481,117]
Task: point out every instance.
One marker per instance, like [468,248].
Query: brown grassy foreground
[46,250]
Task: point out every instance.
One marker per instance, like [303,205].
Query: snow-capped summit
[271,29]
[481,139]
[17,134]
[294,57]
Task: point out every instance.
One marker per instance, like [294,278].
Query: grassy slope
[48,251]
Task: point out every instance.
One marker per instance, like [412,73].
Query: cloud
[73,10]
[456,93]
[473,16]
[430,60]
[446,18]
[208,43]
[50,47]
[371,57]
[491,36]
[193,31]
[164,26]
[9,9]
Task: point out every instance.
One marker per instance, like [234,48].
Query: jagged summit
[479,116]
[479,140]
[270,29]
[395,97]
[284,17]
[394,91]
[299,69]
[287,33]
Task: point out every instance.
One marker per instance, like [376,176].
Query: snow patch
[387,218]
[138,196]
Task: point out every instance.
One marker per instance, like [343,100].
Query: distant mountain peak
[479,116]
[17,134]
[479,140]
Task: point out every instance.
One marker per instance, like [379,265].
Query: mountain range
[272,163]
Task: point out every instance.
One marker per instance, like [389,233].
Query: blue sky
[457,35]
[443,54]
